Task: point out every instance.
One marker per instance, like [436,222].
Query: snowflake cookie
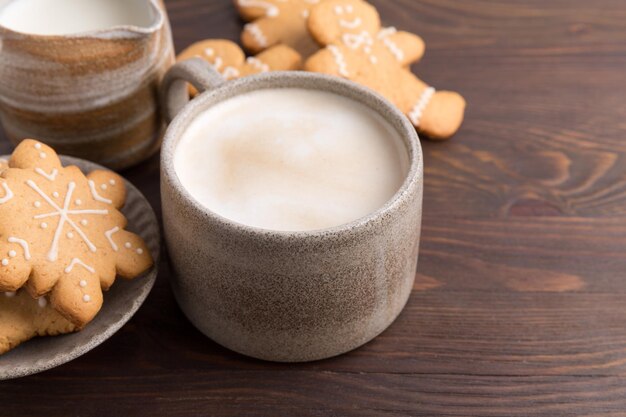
[358,49]
[61,233]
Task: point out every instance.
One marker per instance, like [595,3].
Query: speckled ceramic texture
[120,302]
[91,95]
[283,296]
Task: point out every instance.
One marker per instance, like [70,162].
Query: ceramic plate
[120,302]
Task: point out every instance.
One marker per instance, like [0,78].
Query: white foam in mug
[63,17]
[291,160]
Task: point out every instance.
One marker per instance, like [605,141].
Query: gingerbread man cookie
[61,233]
[274,22]
[23,317]
[359,50]
[228,59]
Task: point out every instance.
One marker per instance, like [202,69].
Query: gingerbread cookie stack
[62,243]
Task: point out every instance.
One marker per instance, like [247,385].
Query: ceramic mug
[286,296]
[92,95]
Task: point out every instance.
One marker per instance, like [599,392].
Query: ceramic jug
[93,94]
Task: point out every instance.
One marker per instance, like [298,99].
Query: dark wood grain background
[519,308]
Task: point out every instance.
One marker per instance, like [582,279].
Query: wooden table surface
[519,306]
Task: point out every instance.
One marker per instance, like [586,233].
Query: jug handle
[174,93]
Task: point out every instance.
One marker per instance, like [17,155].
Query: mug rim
[391,114]
[114,32]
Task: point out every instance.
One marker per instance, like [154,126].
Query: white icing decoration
[8,194]
[258,64]
[354,41]
[42,155]
[103,186]
[305,14]
[42,302]
[338,10]
[387,32]
[127,245]
[51,177]
[349,8]
[37,204]
[257,34]
[351,24]
[230,72]
[78,202]
[217,63]
[96,196]
[5,262]
[84,222]
[82,283]
[12,254]
[112,181]
[109,234]
[55,194]
[77,261]
[365,40]
[44,225]
[383,35]
[86,298]
[270,9]
[10,294]
[416,114]
[37,146]
[23,244]
[339,60]
[54,214]
[139,251]
[70,235]
[64,217]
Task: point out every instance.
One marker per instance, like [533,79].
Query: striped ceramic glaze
[92,95]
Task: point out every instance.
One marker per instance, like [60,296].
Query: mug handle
[174,92]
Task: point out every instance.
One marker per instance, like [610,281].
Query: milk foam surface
[291,160]
[62,17]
